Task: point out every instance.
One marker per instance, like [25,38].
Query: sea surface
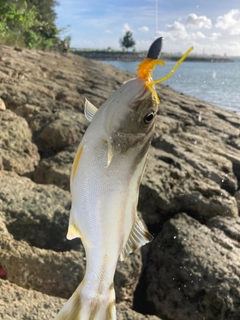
[214,82]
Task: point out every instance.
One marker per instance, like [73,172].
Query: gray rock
[17,151]
[191,167]
[21,304]
[193,269]
[52,80]
[37,214]
[53,130]
[171,185]
[237,197]
[56,169]
[65,130]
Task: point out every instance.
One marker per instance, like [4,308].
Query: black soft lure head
[155,49]
[146,67]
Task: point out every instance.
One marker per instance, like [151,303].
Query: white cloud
[176,30]
[144,29]
[214,36]
[108,31]
[234,44]
[195,21]
[199,35]
[229,22]
[126,28]
[176,26]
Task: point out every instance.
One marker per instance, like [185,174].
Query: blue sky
[211,26]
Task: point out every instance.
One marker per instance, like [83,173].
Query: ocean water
[213,82]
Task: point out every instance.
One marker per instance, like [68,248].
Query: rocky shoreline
[135,56]
[189,197]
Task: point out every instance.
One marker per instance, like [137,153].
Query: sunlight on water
[216,83]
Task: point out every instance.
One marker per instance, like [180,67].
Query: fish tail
[84,306]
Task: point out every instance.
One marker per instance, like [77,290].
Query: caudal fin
[81,306]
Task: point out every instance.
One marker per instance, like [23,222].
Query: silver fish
[105,179]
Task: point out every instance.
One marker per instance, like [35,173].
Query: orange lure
[146,67]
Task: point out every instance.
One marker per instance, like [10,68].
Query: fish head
[141,109]
[130,114]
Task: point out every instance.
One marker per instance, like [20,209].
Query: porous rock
[193,270]
[237,197]
[193,165]
[17,151]
[56,169]
[21,304]
[53,130]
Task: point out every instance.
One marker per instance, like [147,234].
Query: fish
[105,179]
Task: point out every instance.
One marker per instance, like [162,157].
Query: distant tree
[127,41]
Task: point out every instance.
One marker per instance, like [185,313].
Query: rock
[56,169]
[65,130]
[37,214]
[127,314]
[47,271]
[237,197]
[50,79]
[171,185]
[34,250]
[193,269]
[22,304]
[53,131]
[190,167]
[17,151]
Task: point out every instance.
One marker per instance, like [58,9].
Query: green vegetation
[29,23]
[127,41]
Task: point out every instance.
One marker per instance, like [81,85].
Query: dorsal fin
[89,110]
[138,237]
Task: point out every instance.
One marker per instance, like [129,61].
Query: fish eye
[149,117]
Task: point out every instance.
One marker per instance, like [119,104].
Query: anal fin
[74,232]
[137,238]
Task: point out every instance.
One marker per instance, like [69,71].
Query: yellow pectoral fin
[76,161]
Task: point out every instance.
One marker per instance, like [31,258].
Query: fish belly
[104,202]
[104,199]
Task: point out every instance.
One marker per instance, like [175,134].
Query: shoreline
[131,56]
